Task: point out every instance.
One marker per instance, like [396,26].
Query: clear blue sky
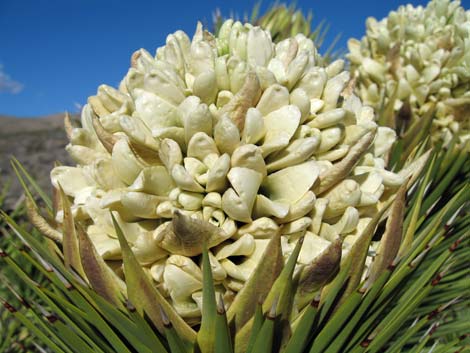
[55,53]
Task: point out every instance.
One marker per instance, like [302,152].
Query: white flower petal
[201,58]
[296,68]
[280,125]
[124,162]
[249,156]
[162,83]
[184,180]
[245,269]
[217,175]
[222,77]
[84,155]
[273,98]
[290,184]
[313,83]
[182,277]
[190,201]
[157,270]
[218,272]
[235,207]
[141,204]
[226,135]
[261,228]
[197,120]
[333,88]
[300,99]
[153,180]
[383,142]
[72,180]
[319,209]
[328,118]
[146,249]
[155,111]
[312,246]
[241,247]
[299,225]
[259,47]
[348,221]
[138,132]
[103,172]
[297,152]
[212,199]
[347,193]
[201,145]
[300,208]
[254,129]
[205,86]
[108,248]
[329,138]
[170,153]
[246,183]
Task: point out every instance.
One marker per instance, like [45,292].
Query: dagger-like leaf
[101,279]
[21,173]
[70,240]
[264,341]
[362,299]
[303,329]
[332,292]
[418,130]
[391,239]
[411,220]
[316,274]
[256,327]
[205,336]
[222,338]
[282,295]
[258,285]
[414,294]
[281,291]
[358,253]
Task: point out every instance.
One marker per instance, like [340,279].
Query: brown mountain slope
[37,143]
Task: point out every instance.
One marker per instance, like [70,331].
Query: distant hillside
[37,143]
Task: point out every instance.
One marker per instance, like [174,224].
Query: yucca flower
[285,21]
[226,141]
[414,67]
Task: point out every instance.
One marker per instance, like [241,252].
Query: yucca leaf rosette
[414,66]
[226,142]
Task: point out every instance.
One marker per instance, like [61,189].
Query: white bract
[416,60]
[227,141]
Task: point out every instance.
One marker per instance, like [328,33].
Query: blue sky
[55,53]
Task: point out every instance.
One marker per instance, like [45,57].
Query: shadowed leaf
[258,285]
[391,239]
[316,274]
[101,279]
[222,338]
[358,253]
[143,294]
[205,336]
[70,240]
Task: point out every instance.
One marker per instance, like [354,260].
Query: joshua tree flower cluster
[416,63]
[226,141]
